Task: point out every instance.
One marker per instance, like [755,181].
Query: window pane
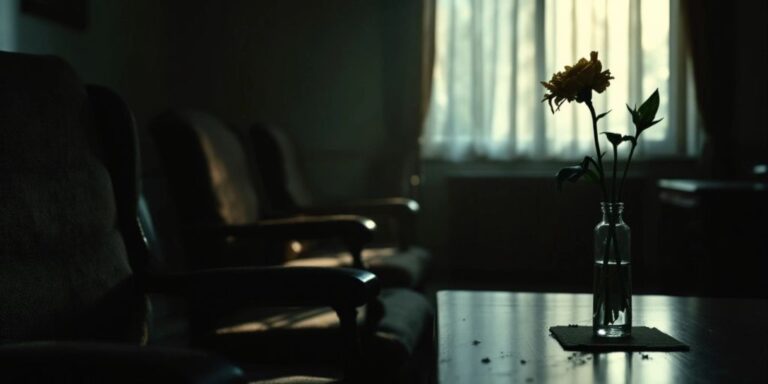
[486,92]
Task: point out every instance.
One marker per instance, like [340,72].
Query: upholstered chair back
[279,165]
[211,183]
[71,255]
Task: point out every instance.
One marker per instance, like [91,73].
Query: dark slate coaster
[579,338]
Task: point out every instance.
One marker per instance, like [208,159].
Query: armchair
[220,213]
[393,257]
[75,270]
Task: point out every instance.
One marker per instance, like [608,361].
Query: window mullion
[513,104]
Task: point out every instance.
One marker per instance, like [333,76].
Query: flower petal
[584,75]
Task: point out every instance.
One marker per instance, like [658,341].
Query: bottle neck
[612,212]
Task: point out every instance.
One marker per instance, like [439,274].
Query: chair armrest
[79,362]
[353,228]
[401,211]
[354,231]
[343,289]
[399,207]
[273,286]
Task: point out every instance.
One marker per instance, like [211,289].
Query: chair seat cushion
[405,327]
[291,373]
[295,335]
[398,268]
[293,379]
[394,267]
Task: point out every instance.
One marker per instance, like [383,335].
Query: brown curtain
[427,56]
[407,38]
[711,37]
[427,65]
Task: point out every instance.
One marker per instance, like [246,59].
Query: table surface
[693,185]
[503,337]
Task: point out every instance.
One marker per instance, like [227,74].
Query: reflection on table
[502,337]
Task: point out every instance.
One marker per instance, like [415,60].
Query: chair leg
[357,256]
[353,355]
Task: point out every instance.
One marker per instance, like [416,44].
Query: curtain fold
[710,27]
[427,63]
[406,40]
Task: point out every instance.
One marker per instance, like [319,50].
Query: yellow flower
[577,82]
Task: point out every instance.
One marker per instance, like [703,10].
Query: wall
[322,70]
[123,47]
[730,38]
[312,68]
[334,74]
[8,15]
[750,80]
[492,221]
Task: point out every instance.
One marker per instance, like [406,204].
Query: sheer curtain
[491,55]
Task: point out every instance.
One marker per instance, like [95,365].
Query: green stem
[597,149]
[617,256]
[612,218]
[626,169]
[603,188]
[607,295]
[621,193]
[611,242]
[613,179]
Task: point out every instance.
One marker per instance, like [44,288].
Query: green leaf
[635,115]
[614,138]
[629,138]
[571,174]
[652,124]
[588,160]
[600,116]
[591,176]
[574,173]
[648,109]
[643,117]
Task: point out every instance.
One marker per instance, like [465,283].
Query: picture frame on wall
[71,13]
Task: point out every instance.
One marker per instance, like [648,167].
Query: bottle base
[613,332]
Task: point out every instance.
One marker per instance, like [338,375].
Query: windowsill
[661,167]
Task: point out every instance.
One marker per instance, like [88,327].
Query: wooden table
[503,337]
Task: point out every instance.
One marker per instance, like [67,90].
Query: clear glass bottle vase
[612,289]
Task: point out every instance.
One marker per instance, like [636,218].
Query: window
[492,54]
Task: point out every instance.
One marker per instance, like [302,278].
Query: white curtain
[491,55]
